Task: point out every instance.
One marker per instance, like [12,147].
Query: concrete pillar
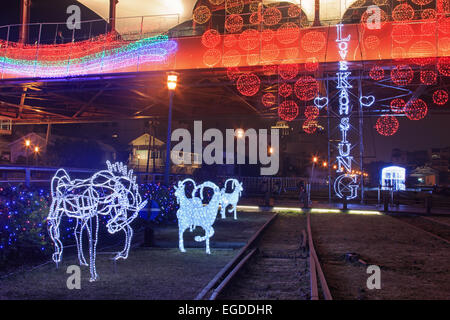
[112,15]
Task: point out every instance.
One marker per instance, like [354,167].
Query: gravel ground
[148,273]
[413,264]
[280,270]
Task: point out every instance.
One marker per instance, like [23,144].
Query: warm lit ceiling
[330,10]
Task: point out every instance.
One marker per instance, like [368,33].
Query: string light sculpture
[294,11]
[387,125]
[230,40]
[312,64]
[193,213]
[230,199]
[149,50]
[398,105]
[231,58]
[376,73]
[272,16]
[201,14]
[428,77]
[403,12]
[211,38]
[113,192]
[288,110]
[268,100]
[270,52]
[372,42]
[306,88]
[402,33]
[440,97]
[443,66]
[402,75]
[285,90]
[234,6]
[416,109]
[313,41]
[311,112]
[268,35]
[309,126]
[234,23]
[248,84]
[212,57]
[249,39]
[288,33]
[288,71]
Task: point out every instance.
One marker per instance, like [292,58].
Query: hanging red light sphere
[269,70]
[428,14]
[416,109]
[211,38]
[403,12]
[311,112]
[387,125]
[212,57]
[376,73]
[285,90]
[428,77]
[248,84]
[267,35]
[230,40]
[371,42]
[231,58]
[234,23]
[288,71]
[398,105]
[440,97]
[268,100]
[288,110]
[294,11]
[402,75]
[306,88]
[312,64]
[255,18]
[272,16]
[402,33]
[443,66]
[309,126]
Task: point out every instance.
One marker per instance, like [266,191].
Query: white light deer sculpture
[112,192]
[193,213]
[230,199]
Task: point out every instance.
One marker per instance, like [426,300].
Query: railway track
[275,264]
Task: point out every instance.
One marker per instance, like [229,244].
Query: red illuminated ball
[248,84]
[416,109]
[440,97]
[387,125]
[306,88]
[288,110]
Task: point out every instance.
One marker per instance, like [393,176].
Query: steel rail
[227,269]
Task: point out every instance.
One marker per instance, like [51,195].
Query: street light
[36,152]
[325,164]
[240,133]
[172,79]
[27,146]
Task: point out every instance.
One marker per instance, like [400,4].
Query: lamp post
[27,146]
[172,79]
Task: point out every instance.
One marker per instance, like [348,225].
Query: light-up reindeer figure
[230,199]
[193,213]
[112,192]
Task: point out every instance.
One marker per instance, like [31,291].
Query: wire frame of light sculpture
[387,125]
[288,110]
[112,192]
[229,200]
[193,213]
[440,97]
[416,109]
[248,84]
